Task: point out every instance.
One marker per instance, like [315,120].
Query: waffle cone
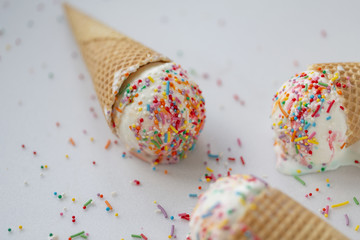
[277,216]
[350,75]
[109,56]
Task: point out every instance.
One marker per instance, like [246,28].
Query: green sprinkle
[88,202]
[323,84]
[145,139]
[77,234]
[322,169]
[155,143]
[59,196]
[9,229]
[306,87]
[182,138]
[159,139]
[356,201]
[324,71]
[136,236]
[297,151]
[50,235]
[299,180]
[306,76]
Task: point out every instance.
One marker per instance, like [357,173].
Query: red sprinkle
[316,111]
[328,110]
[231,159]
[356,161]
[34,152]
[137,182]
[143,236]
[23,146]
[342,108]
[242,160]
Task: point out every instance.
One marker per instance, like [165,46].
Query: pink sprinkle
[328,198]
[347,220]
[172,230]
[219,82]
[323,33]
[312,135]
[327,209]
[239,142]
[61,214]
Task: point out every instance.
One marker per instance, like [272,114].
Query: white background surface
[252,47]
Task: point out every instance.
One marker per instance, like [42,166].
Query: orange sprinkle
[339,92]
[72,141]
[127,74]
[136,95]
[118,109]
[283,111]
[140,102]
[108,204]
[166,172]
[293,136]
[342,146]
[107,144]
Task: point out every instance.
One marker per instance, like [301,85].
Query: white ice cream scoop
[313,115]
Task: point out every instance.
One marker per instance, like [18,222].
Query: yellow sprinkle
[164,83]
[326,215]
[323,96]
[209,169]
[223,223]
[140,109]
[285,127]
[155,202]
[155,90]
[298,171]
[20,227]
[279,123]
[313,142]
[299,139]
[300,128]
[116,214]
[298,147]
[134,126]
[274,124]
[45,166]
[73,199]
[318,100]
[92,139]
[357,227]
[164,93]
[208,179]
[327,180]
[169,236]
[67,156]
[242,201]
[151,79]
[300,99]
[173,129]
[339,204]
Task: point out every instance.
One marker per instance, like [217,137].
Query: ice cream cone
[244,207]
[275,215]
[110,57]
[350,78]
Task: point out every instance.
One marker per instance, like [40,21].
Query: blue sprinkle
[107,209]
[193,195]
[322,99]
[55,193]
[314,124]
[328,184]
[307,126]
[328,118]
[148,107]
[311,96]
[167,87]
[295,118]
[166,137]
[172,217]
[154,168]
[319,96]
